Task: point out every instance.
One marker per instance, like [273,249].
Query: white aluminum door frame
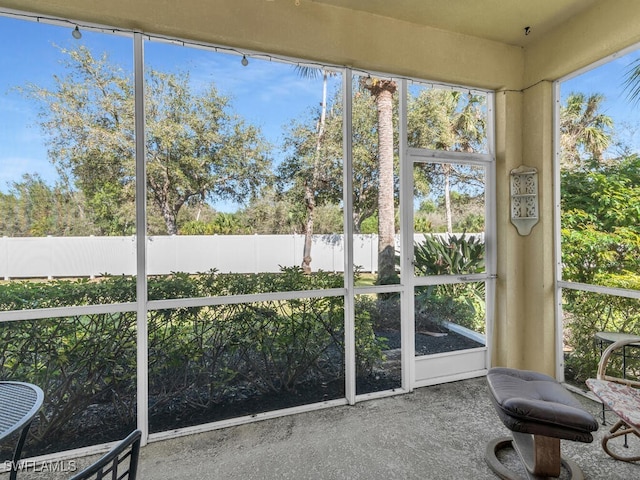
[479,359]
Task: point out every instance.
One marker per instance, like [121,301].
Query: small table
[612,337]
[604,339]
[19,403]
[607,338]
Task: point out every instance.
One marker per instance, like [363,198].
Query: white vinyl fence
[51,257]
[54,257]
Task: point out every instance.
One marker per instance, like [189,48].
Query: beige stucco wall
[524,330]
[508,339]
[606,28]
[310,31]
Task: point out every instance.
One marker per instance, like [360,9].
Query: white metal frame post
[347,198]
[141,241]
[406,247]
[491,221]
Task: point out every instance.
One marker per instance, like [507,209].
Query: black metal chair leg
[18,452]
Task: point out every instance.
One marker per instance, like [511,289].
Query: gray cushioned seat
[535,403]
[540,413]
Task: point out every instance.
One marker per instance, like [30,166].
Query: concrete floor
[434,433]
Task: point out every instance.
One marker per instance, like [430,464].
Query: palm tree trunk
[386,212]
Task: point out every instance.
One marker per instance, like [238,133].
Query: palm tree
[632,81]
[382,91]
[584,131]
[467,131]
[447,120]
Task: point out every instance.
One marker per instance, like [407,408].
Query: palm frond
[308,72]
[632,82]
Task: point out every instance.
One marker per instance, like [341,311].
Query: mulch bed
[381,379]
[428,344]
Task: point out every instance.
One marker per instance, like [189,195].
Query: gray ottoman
[539,412]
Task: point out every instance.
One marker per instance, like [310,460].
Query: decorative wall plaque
[524,198]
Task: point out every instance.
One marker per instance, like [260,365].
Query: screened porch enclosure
[170,272]
[283,206]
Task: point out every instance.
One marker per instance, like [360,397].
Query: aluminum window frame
[142,306]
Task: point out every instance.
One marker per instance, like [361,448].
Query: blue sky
[608,79]
[267,94]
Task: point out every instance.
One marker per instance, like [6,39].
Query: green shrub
[460,303]
[77,361]
[449,255]
[197,355]
[587,313]
[368,319]
[284,344]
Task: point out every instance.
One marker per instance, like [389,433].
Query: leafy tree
[600,233]
[311,173]
[600,246]
[311,181]
[32,208]
[447,120]
[329,219]
[196,148]
[600,216]
[601,221]
[272,213]
[88,119]
[221,224]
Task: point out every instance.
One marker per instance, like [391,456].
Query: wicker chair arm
[604,360]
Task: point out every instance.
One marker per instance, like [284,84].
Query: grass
[366,280]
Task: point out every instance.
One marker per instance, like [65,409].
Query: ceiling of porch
[499,20]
